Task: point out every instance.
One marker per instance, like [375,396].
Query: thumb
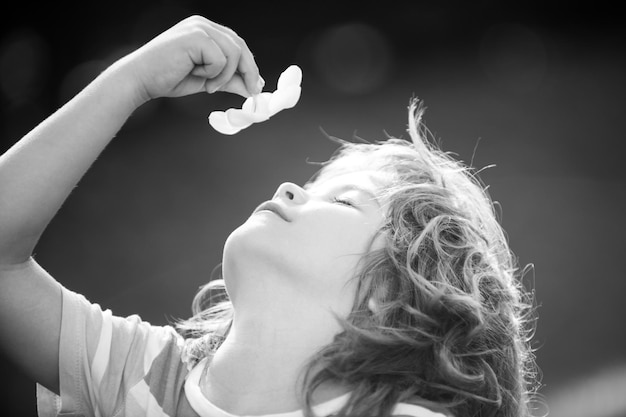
[236,85]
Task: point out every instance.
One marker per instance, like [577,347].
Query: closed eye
[343,201]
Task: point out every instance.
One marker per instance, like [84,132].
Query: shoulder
[128,340]
[125,358]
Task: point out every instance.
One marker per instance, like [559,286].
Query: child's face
[315,248]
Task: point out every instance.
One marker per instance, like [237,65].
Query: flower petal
[292,76]
[262,106]
[242,118]
[258,105]
[219,122]
[284,98]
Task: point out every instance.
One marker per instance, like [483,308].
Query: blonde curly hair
[440,316]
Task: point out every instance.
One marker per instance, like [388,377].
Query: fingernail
[214,89]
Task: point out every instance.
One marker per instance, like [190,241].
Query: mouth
[274,208]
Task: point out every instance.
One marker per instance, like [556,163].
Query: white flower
[261,106]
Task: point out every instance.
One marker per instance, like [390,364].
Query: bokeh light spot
[352,58]
[514,57]
[78,78]
[23,65]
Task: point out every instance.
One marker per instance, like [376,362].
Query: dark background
[535,88]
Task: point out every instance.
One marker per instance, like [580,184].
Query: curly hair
[440,316]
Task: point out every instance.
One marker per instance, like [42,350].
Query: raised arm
[38,172]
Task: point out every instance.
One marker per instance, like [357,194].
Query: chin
[249,239]
[252,248]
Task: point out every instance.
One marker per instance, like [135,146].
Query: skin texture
[39,171]
[289,278]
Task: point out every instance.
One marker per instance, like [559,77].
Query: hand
[196,55]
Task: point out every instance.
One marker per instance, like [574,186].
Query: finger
[236,85]
[211,62]
[229,48]
[249,69]
[232,53]
[247,65]
[252,79]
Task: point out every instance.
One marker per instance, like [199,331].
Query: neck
[260,366]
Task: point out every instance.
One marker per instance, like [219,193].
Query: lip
[274,208]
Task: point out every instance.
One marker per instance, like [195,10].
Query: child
[412,310]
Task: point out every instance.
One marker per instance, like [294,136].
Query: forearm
[39,172]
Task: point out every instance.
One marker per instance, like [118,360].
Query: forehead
[368,179]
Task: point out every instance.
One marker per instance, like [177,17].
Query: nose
[291,193]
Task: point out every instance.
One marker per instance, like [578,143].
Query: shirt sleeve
[413,410]
[113,366]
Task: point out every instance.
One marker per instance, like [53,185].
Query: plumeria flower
[260,107]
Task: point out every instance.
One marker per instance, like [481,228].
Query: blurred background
[534,88]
